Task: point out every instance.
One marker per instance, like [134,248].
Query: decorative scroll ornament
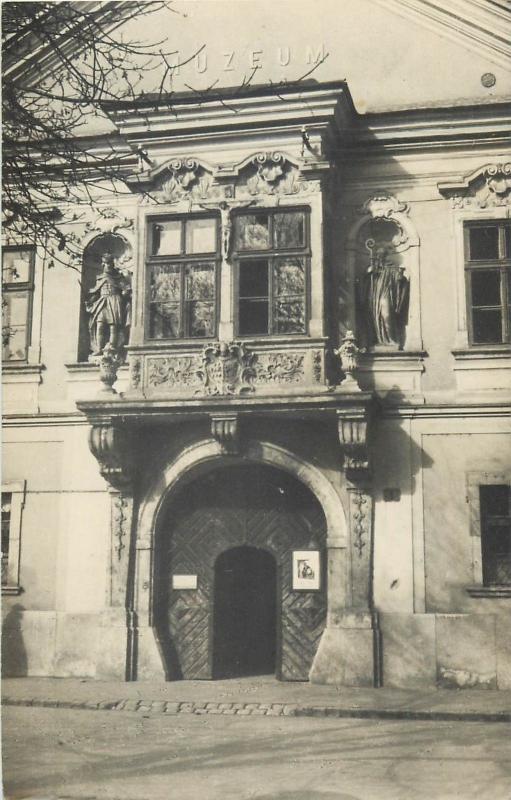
[225,429]
[109,220]
[135,372]
[352,425]
[382,206]
[120,522]
[112,447]
[279,367]
[226,369]
[272,173]
[487,187]
[185,177]
[360,521]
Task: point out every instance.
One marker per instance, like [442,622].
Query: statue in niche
[384,296]
[108,305]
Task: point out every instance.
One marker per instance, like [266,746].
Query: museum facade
[265,428]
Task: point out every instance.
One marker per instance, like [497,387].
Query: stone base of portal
[348,653]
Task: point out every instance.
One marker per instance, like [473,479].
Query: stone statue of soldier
[108,305]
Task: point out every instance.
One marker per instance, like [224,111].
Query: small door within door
[244,613]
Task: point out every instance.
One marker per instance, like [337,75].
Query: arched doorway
[244,613]
[213,524]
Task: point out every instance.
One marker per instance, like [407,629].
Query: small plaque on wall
[184,581]
[306,570]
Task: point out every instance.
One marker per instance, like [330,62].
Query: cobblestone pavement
[257,709]
[262,696]
[52,753]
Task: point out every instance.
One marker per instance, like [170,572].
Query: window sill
[482,351]
[16,367]
[489,591]
[11,590]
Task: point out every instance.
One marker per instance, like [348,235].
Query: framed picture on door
[306,571]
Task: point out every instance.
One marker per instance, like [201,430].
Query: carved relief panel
[227,368]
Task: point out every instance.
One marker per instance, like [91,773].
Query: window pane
[289,316]
[15,308]
[16,266]
[6,525]
[484,243]
[201,318]
[200,282]
[253,317]
[167,238]
[201,236]
[487,326]
[494,500]
[485,287]
[252,232]
[164,321]
[14,325]
[289,230]
[253,278]
[289,276]
[165,283]
[14,343]
[507,233]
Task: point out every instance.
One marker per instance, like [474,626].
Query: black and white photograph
[256,400]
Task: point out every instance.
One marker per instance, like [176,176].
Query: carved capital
[112,447]
[225,429]
[352,427]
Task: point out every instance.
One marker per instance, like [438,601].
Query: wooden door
[231,507]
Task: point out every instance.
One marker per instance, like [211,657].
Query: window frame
[23,288]
[183,260]
[17,490]
[272,254]
[474,481]
[502,264]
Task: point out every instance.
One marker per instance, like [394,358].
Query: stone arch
[207,454]
[195,460]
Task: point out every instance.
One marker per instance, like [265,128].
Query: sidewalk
[259,696]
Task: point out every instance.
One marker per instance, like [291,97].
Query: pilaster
[113,448]
[348,653]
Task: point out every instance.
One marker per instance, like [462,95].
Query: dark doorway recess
[244,613]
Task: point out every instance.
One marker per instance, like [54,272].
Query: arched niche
[122,253]
[383,268]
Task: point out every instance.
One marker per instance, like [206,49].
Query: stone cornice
[275,106]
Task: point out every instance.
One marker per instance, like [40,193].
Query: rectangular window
[17,286]
[495,515]
[488,271]
[272,258]
[182,272]
[6,530]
